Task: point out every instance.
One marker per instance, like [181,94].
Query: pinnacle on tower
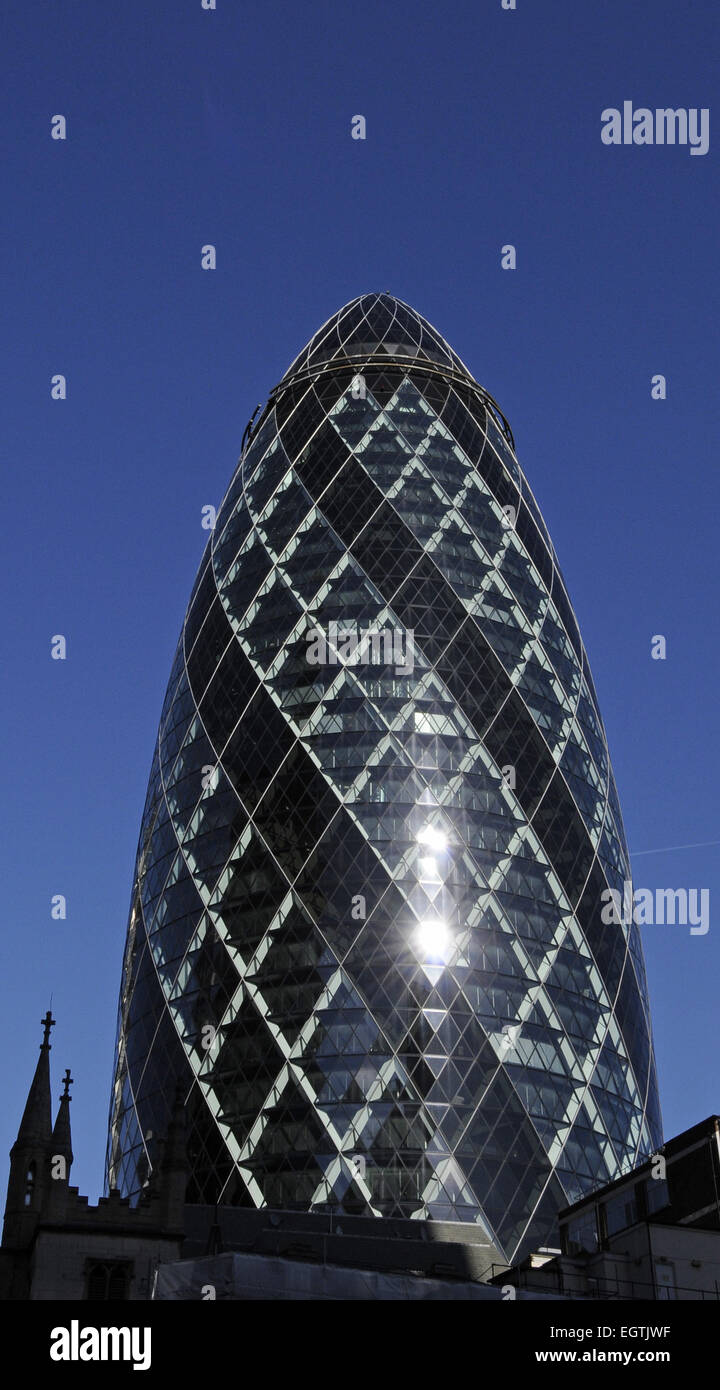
[61,1138]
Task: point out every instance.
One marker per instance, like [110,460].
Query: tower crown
[377,324]
[377,330]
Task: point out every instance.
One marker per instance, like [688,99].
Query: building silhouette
[366,935]
[55,1245]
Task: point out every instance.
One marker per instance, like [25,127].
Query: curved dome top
[372,325]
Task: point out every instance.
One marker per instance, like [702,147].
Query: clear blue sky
[187,127]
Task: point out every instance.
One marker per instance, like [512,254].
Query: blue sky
[232,127]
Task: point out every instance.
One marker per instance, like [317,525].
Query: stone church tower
[54,1244]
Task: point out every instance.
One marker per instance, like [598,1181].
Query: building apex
[36,1123]
[376,324]
[47,1022]
[61,1136]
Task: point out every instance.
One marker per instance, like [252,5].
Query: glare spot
[434,940]
[435,840]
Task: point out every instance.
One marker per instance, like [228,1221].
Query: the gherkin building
[366,927]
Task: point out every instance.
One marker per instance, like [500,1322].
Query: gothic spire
[36,1123]
[61,1139]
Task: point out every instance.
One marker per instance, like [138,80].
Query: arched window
[30,1185]
[107,1280]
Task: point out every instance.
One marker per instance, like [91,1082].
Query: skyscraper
[366,924]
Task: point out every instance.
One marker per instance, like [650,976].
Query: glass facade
[365,929]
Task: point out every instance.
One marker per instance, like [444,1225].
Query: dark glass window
[321,460]
[581,1234]
[620,1212]
[657,1196]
